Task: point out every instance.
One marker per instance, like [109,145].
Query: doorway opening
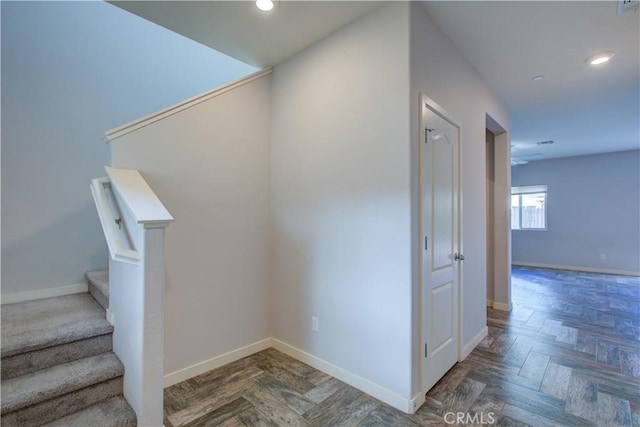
[498,191]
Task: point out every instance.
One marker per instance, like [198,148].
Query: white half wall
[209,164]
[440,71]
[70,71]
[341,204]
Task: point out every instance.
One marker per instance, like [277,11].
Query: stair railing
[133,220]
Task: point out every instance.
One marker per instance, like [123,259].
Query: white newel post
[136,286]
[151,408]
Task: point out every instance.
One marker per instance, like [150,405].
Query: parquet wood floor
[567,354]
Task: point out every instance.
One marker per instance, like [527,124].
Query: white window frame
[530,189]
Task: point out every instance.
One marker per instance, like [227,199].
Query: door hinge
[425,350]
[426,243]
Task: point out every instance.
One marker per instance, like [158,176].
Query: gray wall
[439,71]
[593,210]
[214,179]
[70,72]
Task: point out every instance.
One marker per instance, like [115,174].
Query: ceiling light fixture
[264,5]
[600,58]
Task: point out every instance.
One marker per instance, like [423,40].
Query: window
[529,207]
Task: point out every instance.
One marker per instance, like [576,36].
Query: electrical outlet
[315,324]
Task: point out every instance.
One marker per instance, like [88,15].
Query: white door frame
[426,102]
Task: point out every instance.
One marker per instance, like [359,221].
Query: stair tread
[32,325]
[113,412]
[100,279]
[45,384]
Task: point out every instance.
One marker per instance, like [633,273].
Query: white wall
[341,202]
[490,184]
[502,222]
[70,71]
[439,71]
[209,165]
[593,208]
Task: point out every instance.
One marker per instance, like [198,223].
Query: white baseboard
[576,268]
[111,318]
[502,306]
[468,348]
[387,396]
[216,362]
[384,394]
[43,293]
[417,401]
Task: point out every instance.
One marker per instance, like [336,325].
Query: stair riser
[113,412]
[97,295]
[58,407]
[32,361]
[99,286]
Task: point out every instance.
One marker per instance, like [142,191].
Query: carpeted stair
[57,364]
[99,286]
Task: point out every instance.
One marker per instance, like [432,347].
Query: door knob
[458,257]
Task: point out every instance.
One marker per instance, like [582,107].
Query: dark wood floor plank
[285,361]
[635,414]
[517,354]
[522,314]
[527,417]
[200,407]
[323,390]
[252,418]
[292,381]
[614,384]
[556,381]
[536,320]
[487,404]
[502,344]
[505,421]
[567,335]
[535,366]
[613,411]
[287,395]
[607,352]
[582,398]
[222,414]
[630,362]
[318,377]
[231,422]
[272,409]
[343,397]
[349,415]
[463,397]
[551,327]
[448,383]
[586,343]
[384,416]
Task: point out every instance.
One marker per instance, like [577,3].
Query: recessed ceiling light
[264,5]
[537,78]
[600,58]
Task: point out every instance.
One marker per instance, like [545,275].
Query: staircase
[57,365]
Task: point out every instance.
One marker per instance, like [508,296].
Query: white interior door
[439,164]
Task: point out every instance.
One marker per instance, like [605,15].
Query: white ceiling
[583,109]
[242,31]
